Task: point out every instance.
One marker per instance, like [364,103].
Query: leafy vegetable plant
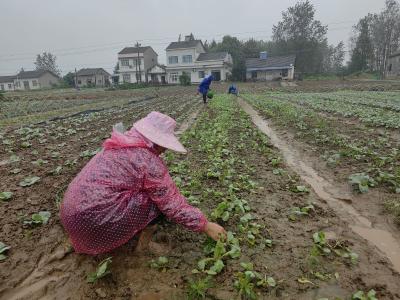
[40,218]
[102,271]
[3,249]
[159,263]
[28,181]
[6,196]
[361,182]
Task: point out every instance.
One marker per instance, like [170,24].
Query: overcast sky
[89,33]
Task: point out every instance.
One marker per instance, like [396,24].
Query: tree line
[375,37]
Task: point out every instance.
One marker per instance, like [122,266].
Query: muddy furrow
[384,239]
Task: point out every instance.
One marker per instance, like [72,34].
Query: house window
[173,77]
[34,83]
[172,60]
[10,86]
[126,77]
[138,62]
[187,59]
[79,82]
[125,62]
[89,81]
[2,87]
[201,74]
[254,74]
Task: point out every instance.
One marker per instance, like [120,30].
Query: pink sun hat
[159,129]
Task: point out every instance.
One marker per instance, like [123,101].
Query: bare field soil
[286,239]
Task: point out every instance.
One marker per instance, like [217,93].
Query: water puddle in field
[382,239]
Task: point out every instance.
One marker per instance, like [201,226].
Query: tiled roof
[7,78]
[212,56]
[130,50]
[91,71]
[33,74]
[184,44]
[274,62]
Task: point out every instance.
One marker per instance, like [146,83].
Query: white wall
[180,53]
[133,77]
[7,86]
[21,86]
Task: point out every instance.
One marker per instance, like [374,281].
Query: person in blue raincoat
[204,87]
[233,90]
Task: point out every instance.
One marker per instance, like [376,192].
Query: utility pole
[138,62]
[76,80]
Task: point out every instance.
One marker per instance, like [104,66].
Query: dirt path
[384,239]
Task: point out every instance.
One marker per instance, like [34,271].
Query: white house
[157,74]
[34,80]
[190,57]
[7,83]
[270,68]
[92,77]
[134,64]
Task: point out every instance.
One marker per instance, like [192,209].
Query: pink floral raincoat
[119,192]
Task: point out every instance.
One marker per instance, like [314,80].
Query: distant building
[7,83]
[266,68]
[135,64]
[393,69]
[190,57]
[97,77]
[34,80]
[157,74]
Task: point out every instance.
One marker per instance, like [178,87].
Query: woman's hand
[215,231]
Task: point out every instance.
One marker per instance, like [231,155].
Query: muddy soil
[42,265]
[40,258]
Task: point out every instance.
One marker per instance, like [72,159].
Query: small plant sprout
[160,263]
[6,196]
[102,271]
[40,218]
[28,181]
[360,295]
[300,211]
[361,182]
[3,250]
[198,289]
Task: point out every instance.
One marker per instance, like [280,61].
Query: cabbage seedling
[6,196]
[3,249]
[102,271]
[28,181]
[41,218]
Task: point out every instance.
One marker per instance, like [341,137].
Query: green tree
[362,52]
[47,61]
[184,79]
[69,79]
[299,33]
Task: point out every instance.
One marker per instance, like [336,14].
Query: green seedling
[360,295]
[40,218]
[299,212]
[40,162]
[28,181]
[300,189]
[198,289]
[26,144]
[3,250]
[6,196]
[102,271]
[159,263]
[361,182]
[15,171]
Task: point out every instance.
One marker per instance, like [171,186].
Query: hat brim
[168,141]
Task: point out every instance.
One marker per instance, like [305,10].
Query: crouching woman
[127,186]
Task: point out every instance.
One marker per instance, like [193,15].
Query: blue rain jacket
[232,90]
[204,86]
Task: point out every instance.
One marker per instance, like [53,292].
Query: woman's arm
[165,194]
